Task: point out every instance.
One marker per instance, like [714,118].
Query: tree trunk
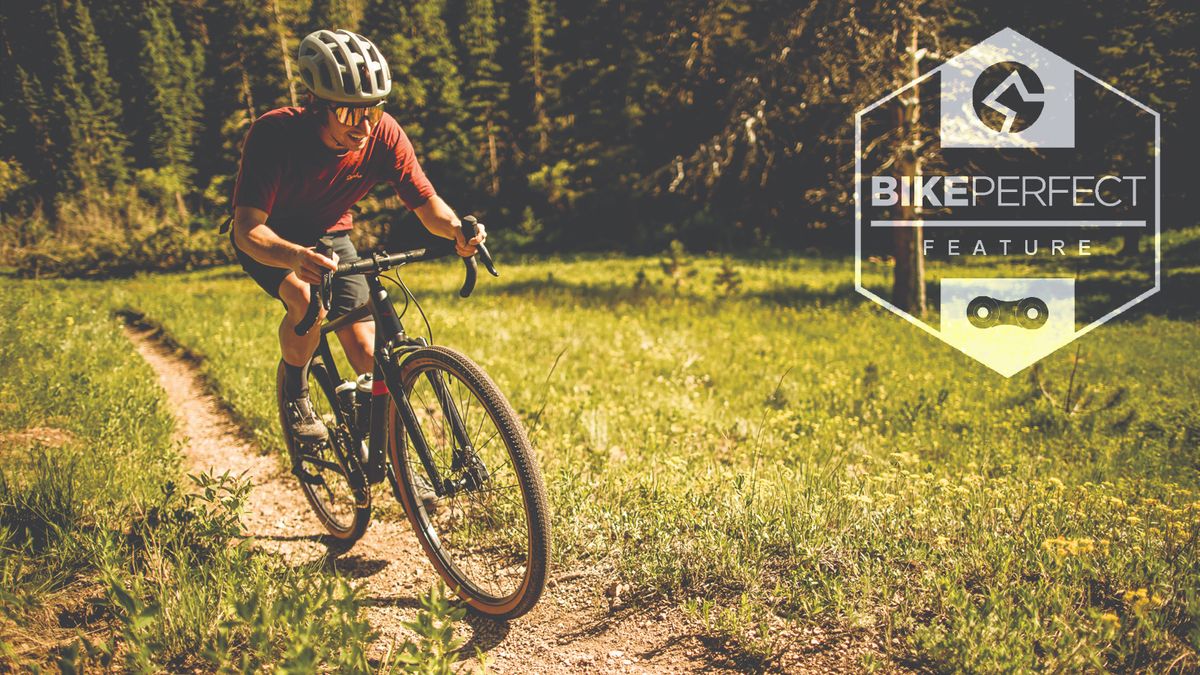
[247,94]
[908,281]
[540,117]
[283,49]
[181,207]
[493,159]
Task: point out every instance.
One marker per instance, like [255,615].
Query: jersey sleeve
[409,180]
[261,168]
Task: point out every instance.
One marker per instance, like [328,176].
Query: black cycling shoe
[304,424]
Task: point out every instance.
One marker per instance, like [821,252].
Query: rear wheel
[341,500]
[488,530]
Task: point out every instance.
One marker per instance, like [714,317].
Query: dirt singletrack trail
[573,629]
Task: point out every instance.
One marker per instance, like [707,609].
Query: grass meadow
[748,439]
[110,557]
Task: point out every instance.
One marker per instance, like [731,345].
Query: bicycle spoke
[489,440]
[482,531]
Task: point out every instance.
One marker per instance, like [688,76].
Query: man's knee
[360,333]
[296,295]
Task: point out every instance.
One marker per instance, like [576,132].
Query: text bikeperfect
[1024,195]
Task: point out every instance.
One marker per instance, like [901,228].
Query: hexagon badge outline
[1007,34]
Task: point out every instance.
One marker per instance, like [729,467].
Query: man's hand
[467,248]
[439,218]
[310,265]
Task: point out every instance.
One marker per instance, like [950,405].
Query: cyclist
[301,171]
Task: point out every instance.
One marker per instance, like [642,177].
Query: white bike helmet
[343,67]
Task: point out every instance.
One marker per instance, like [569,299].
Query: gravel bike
[433,424]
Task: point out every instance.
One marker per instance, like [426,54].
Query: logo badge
[1008,97]
[1030,191]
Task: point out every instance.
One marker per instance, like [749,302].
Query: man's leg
[297,350]
[358,339]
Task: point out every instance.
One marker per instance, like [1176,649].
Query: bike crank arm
[323,463]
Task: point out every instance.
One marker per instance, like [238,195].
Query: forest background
[605,126]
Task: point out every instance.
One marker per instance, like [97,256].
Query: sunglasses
[351,115]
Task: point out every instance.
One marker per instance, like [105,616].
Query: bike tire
[441,546]
[346,513]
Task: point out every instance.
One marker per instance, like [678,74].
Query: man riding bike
[301,171]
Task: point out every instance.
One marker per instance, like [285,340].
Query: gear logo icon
[1008,97]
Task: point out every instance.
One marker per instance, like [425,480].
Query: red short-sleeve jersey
[306,188]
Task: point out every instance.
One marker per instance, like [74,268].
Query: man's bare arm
[437,217]
[257,240]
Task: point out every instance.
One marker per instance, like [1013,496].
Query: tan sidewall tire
[533,490]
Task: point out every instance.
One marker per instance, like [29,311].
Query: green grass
[95,525]
[785,454]
[790,454]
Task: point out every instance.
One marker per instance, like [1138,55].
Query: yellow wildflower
[1065,548]
[1140,599]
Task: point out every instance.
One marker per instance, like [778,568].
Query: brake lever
[326,290]
[470,227]
[318,294]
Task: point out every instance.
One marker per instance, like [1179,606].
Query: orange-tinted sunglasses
[352,115]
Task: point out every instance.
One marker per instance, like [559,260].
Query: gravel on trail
[575,628]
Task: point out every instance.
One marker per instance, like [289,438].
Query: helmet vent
[343,67]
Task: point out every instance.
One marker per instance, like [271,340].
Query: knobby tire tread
[524,462]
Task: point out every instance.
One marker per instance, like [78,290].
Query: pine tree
[25,135]
[29,141]
[74,164]
[169,73]
[486,92]
[104,138]
[537,35]
[332,15]
[427,84]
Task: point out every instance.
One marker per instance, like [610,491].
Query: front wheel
[476,498]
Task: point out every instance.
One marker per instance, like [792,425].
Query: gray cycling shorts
[348,292]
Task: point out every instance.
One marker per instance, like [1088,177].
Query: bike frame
[392,345]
